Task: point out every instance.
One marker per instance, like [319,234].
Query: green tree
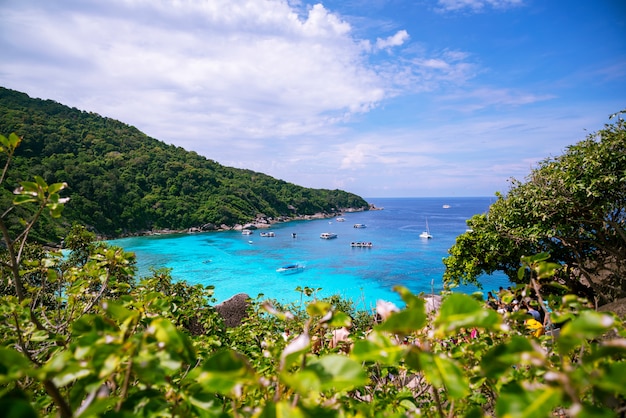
[572,206]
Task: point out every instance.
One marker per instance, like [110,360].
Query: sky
[382,98]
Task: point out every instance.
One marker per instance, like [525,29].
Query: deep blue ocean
[235,263]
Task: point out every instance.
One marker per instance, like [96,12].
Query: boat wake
[415,228]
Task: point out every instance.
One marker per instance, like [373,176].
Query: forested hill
[122,181]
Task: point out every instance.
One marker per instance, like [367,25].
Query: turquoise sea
[235,263]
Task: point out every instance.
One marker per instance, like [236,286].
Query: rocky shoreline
[260,222]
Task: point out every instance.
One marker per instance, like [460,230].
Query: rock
[234,310]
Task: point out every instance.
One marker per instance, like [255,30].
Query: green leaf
[411,300]
[56,187]
[378,347]
[98,407]
[13,365]
[24,198]
[60,363]
[462,311]
[14,140]
[118,312]
[516,401]
[302,381]
[340,319]
[12,407]
[70,374]
[441,371]
[281,409]
[4,143]
[110,365]
[318,308]
[501,358]
[588,325]
[613,378]
[223,372]
[174,340]
[406,321]
[528,260]
[338,373]
[41,183]
[546,270]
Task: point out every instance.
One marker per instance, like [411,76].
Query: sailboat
[426,234]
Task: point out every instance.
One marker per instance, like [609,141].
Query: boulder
[234,310]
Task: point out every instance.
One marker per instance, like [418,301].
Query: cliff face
[121,181]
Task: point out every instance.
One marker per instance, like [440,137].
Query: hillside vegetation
[572,206]
[122,181]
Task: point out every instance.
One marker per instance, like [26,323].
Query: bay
[235,263]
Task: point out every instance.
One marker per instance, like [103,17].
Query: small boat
[446,206]
[360,226]
[246,232]
[267,234]
[328,235]
[290,269]
[360,244]
[294,235]
[340,219]
[426,234]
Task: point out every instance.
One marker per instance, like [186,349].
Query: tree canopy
[122,181]
[571,206]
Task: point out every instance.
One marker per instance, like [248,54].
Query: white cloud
[237,61]
[212,71]
[298,92]
[477,5]
[485,97]
[395,40]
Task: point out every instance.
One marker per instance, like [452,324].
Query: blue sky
[382,98]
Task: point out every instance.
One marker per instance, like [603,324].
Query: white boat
[446,206]
[328,235]
[246,232]
[341,219]
[426,234]
[290,269]
[360,244]
[360,226]
[267,234]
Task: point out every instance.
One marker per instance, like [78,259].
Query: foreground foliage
[81,337]
[572,206]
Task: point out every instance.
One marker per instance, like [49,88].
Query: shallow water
[236,263]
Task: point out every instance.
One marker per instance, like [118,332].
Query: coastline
[260,222]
